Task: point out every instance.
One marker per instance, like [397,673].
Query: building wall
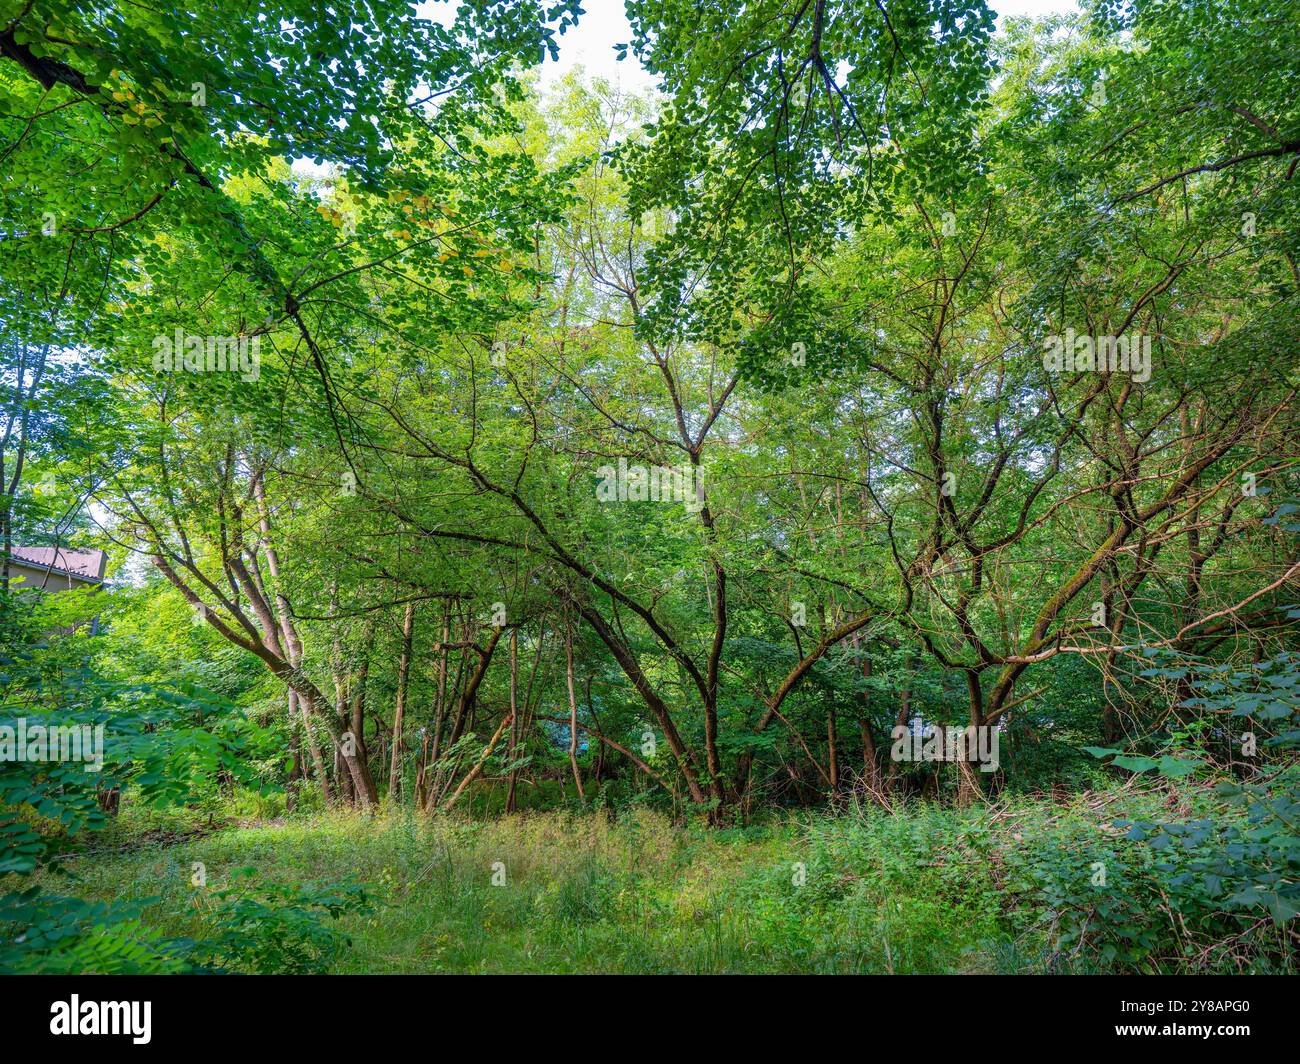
[35,579]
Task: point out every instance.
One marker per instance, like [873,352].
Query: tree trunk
[424,783]
[970,789]
[357,724]
[513,747]
[399,710]
[573,712]
[298,706]
[832,754]
[473,773]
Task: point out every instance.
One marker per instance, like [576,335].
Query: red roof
[84,564]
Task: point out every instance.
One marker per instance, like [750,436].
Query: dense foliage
[465,446]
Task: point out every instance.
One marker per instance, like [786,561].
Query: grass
[1011,887]
[572,893]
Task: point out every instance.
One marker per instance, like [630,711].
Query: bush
[268,928]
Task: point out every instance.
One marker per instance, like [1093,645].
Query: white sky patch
[603,25]
[590,45]
[1036,8]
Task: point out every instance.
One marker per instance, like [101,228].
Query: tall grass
[922,889]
